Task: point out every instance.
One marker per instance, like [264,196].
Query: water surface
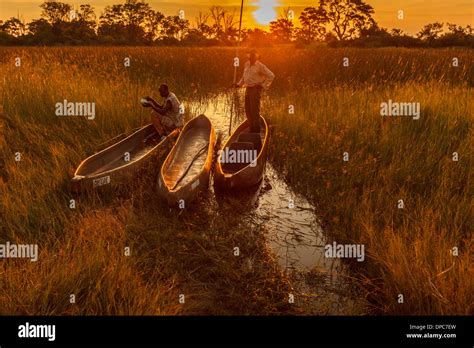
[294,234]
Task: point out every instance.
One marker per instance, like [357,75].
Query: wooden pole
[235,67]
[238,40]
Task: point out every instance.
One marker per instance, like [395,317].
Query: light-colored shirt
[256,74]
[175,112]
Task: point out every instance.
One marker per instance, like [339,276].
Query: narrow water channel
[294,234]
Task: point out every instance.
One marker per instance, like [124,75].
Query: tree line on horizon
[135,22]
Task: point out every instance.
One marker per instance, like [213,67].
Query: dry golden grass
[390,159]
[82,250]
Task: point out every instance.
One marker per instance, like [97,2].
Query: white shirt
[256,74]
[174,113]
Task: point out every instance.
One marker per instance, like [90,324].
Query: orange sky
[417,12]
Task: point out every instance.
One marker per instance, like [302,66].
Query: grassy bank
[389,159]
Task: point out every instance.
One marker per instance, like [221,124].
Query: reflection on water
[298,238]
[294,233]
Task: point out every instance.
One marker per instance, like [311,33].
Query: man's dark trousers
[252,107]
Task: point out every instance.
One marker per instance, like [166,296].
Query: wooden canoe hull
[109,168]
[250,175]
[188,184]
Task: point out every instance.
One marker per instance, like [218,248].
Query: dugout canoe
[185,171]
[241,162]
[122,161]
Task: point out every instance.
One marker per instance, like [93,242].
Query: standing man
[166,117]
[255,78]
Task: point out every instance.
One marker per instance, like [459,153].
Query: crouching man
[166,117]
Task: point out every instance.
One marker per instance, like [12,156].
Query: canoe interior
[242,139]
[189,155]
[114,156]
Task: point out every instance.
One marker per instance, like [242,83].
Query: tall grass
[409,249]
[82,250]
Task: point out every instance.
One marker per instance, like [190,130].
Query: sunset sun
[266,11]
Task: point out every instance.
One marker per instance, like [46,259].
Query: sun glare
[266,11]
